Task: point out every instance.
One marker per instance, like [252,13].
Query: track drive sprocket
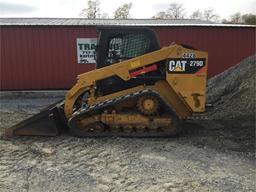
[148,104]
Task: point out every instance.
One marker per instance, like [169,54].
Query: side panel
[187,74]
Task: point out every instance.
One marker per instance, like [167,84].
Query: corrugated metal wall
[37,57]
[41,57]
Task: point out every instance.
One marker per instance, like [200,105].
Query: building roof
[97,22]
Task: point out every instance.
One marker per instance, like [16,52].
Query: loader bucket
[49,122]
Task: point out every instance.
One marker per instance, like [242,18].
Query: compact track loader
[137,90]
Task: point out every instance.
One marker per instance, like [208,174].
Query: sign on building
[86,50]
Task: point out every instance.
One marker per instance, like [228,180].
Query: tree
[196,15]
[236,18]
[123,12]
[225,21]
[92,11]
[160,15]
[174,11]
[249,19]
[210,15]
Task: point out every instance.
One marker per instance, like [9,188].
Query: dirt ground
[216,154]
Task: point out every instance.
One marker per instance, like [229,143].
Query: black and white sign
[86,50]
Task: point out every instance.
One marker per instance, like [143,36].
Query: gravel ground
[217,154]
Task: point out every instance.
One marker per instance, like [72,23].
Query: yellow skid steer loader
[137,90]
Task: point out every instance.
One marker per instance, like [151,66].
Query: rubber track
[99,107]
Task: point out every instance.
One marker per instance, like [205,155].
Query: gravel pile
[232,92]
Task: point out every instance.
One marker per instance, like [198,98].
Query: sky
[140,9]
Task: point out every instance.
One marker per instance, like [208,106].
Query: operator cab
[116,44]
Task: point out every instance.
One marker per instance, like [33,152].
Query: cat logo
[177,65]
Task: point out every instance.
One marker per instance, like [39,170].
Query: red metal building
[42,53]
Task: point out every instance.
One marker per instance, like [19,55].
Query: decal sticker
[189,55]
[185,65]
[177,65]
[143,70]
